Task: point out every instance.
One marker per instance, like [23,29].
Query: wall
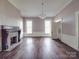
[38,24]
[69,23]
[9,15]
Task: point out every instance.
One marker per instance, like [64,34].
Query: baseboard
[37,34]
[69,46]
[70,40]
[57,39]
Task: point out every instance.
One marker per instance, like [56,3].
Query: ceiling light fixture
[43,10]
[58,20]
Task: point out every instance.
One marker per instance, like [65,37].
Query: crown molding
[64,6]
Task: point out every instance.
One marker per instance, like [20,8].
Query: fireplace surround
[13,40]
[10,37]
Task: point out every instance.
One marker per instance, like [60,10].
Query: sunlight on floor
[47,42]
[29,48]
[47,45]
[29,41]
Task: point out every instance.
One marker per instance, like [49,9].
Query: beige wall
[38,24]
[68,15]
[9,15]
[69,24]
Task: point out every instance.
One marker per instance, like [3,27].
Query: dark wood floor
[41,48]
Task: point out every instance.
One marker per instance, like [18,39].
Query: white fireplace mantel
[11,47]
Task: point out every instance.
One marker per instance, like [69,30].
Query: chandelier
[43,9]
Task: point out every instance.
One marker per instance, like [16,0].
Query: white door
[60,30]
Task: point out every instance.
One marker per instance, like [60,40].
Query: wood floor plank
[41,48]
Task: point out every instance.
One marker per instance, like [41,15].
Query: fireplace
[13,40]
[10,37]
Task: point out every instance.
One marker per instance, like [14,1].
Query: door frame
[76,27]
[61,29]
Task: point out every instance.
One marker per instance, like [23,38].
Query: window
[29,27]
[47,26]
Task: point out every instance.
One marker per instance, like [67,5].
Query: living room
[39,29]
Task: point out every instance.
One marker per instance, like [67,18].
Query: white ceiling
[32,8]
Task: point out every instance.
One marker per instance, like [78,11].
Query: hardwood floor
[41,48]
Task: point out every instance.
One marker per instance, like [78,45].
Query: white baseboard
[37,34]
[70,40]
